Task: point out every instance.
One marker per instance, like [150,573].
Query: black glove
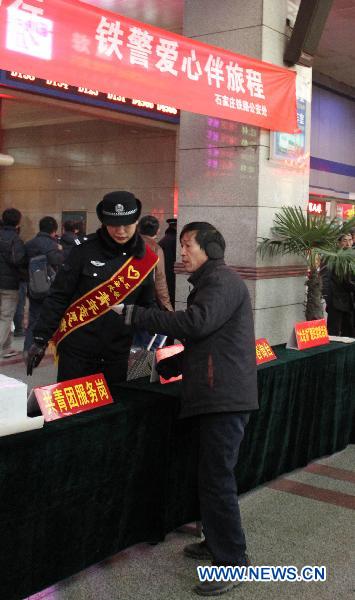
[35,354]
[171,366]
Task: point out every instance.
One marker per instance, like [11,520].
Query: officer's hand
[35,355]
[170,367]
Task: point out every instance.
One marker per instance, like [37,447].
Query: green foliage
[302,234]
[341,261]
[314,239]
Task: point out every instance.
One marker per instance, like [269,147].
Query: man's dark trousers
[220,438]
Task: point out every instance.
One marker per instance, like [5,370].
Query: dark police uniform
[103,344]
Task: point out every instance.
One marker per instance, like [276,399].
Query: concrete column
[224,172]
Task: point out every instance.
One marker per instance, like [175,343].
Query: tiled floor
[304,518]
[282,529]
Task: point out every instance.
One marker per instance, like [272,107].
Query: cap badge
[119,208]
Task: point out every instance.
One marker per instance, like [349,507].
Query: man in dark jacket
[112,264]
[219,385]
[44,243]
[12,258]
[339,297]
[69,238]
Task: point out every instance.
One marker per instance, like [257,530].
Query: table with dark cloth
[85,487]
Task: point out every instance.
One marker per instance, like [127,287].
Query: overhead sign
[345,211]
[82,95]
[308,334]
[316,208]
[82,45]
[289,149]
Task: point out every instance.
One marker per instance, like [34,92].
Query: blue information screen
[291,146]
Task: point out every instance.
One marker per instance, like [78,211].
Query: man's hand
[35,354]
[118,308]
[171,366]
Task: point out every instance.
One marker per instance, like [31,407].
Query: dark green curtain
[87,486]
[306,411]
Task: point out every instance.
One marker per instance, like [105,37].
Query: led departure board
[82,95]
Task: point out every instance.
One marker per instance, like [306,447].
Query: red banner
[72,42]
[102,298]
[73,396]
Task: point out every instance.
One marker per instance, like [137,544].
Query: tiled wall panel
[70,166]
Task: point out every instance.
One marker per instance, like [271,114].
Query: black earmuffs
[213,244]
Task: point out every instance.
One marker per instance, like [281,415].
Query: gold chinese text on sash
[98,301]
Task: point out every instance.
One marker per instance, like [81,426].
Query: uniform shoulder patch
[85,238]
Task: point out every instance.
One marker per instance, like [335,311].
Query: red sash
[100,300]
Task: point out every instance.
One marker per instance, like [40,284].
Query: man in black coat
[90,338]
[339,297]
[219,385]
[69,238]
[12,258]
[44,243]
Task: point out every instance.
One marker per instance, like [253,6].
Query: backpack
[40,277]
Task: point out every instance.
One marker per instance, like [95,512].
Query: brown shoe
[199,551]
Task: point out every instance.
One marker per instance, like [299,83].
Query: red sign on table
[71,42]
[264,352]
[73,396]
[309,334]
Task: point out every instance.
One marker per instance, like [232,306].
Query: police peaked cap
[119,208]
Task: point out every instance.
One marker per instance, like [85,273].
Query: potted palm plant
[314,239]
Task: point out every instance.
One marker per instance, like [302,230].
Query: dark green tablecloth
[88,486]
[307,403]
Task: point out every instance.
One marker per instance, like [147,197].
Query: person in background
[339,298]
[80,233]
[219,386]
[113,263]
[148,227]
[45,242]
[12,258]
[352,231]
[69,237]
[19,315]
[168,244]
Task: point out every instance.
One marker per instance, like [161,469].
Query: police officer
[112,264]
